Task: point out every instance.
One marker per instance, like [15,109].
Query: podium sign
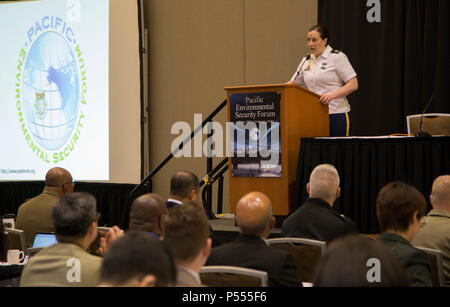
[255,134]
[286,111]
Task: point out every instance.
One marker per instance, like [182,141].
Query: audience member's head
[324,183]
[254,214]
[184,186]
[138,259]
[75,219]
[440,193]
[147,212]
[59,179]
[356,261]
[186,233]
[400,207]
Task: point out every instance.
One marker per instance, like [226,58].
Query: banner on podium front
[255,134]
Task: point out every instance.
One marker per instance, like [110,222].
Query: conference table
[366,164]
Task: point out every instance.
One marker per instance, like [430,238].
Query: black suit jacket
[317,220]
[253,253]
[414,259]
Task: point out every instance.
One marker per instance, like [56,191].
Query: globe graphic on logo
[50,90]
[254,134]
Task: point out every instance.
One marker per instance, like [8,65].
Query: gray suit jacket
[435,234]
[62,265]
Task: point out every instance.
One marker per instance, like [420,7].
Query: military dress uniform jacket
[62,265]
[253,252]
[435,234]
[317,220]
[414,260]
[35,215]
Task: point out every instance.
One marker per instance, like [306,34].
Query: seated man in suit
[68,263]
[249,250]
[186,233]
[400,208]
[137,260]
[35,214]
[435,230]
[184,187]
[316,219]
[146,214]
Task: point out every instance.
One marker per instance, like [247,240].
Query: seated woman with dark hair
[355,261]
[400,208]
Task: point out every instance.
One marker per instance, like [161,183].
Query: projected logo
[51,88]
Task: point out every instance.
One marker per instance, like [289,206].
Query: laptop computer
[42,239]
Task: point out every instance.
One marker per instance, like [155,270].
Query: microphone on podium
[298,71]
[422,133]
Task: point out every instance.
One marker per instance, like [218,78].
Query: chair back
[306,253]
[436,261]
[433,123]
[233,276]
[14,239]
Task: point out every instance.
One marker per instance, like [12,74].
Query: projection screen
[70,89]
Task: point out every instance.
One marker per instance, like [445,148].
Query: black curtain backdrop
[400,61]
[365,165]
[113,199]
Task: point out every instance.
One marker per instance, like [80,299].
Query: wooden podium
[301,115]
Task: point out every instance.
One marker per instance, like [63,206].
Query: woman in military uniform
[328,72]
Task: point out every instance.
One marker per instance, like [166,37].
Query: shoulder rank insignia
[336,51]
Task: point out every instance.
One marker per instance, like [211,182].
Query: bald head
[324,183]
[57,176]
[147,212]
[59,179]
[254,214]
[440,193]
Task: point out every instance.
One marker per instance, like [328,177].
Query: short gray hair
[323,182]
[72,214]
